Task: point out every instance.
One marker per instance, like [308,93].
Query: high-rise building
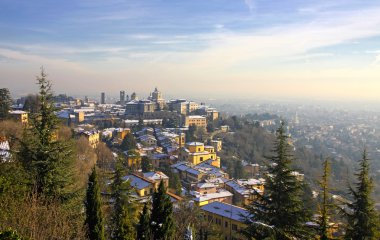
[122,97]
[103,98]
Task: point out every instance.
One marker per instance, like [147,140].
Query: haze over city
[324,50]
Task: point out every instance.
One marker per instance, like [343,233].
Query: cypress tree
[5,103]
[122,221]
[362,220]
[94,215]
[162,225]
[324,206]
[44,156]
[143,228]
[279,213]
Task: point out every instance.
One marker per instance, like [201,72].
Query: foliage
[32,104]
[190,135]
[324,206]
[5,103]
[122,220]
[279,213]
[9,234]
[162,225]
[146,166]
[143,227]
[94,215]
[128,142]
[45,157]
[362,219]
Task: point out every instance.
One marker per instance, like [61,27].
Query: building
[245,190]
[4,149]
[157,98]
[196,152]
[220,195]
[122,97]
[92,137]
[139,107]
[196,120]
[141,185]
[217,144]
[228,217]
[103,98]
[157,177]
[19,116]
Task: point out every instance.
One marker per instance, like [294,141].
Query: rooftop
[226,210]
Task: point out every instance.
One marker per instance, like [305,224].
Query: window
[225,224]
[201,159]
[234,227]
[199,149]
[145,192]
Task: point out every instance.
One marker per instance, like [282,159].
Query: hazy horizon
[314,50]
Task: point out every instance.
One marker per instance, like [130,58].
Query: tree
[128,142]
[48,159]
[122,221]
[190,135]
[238,169]
[279,213]
[143,227]
[32,104]
[362,220]
[161,218]
[175,183]
[5,103]
[146,166]
[94,215]
[324,207]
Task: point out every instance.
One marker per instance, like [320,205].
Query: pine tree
[122,221]
[94,215]
[324,207]
[5,103]
[362,220]
[128,142]
[162,225]
[143,228]
[45,157]
[279,213]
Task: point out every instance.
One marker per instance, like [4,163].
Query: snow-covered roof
[136,182]
[155,175]
[226,210]
[221,193]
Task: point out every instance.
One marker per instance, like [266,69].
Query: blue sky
[306,49]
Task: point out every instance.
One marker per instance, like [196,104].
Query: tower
[122,97]
[103,98]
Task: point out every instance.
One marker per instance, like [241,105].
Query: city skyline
[289,49]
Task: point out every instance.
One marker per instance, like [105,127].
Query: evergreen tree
[146,166]
[5,103]
[143,228]
[94,215]
[279,213]
[44,156]
[122,221]
[324,207]
[161,218]
[362,220]
[128,142]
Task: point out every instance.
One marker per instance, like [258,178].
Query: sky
[300,49]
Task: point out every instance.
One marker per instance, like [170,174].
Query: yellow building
[141,185]
[198,121]
[92,137]
[196,152]
[133,159]
[19,116]
[121,133]
[228,218]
